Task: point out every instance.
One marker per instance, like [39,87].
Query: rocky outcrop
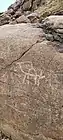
[53,27]
[31,84]
[4,19]
[50,7]
[31,71]
[30,9]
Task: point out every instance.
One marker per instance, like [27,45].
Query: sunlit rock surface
[31,71]
[42,8]
[31,84]
[53,28]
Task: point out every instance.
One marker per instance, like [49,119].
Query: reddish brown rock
[31,84]
[22,19]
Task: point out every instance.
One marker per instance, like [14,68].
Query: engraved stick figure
[25,73]
[34,75]
[41,76]
[31,74]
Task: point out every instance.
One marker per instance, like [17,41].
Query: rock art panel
[31,73]
[31,87]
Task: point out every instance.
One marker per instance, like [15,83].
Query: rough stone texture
[22,19]
[31,71]
[53,27]
[3,137]
[31,84]
[50,7]
[43,8]
[4,19]
[34,17]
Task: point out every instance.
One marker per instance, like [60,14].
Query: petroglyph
[14,108]
[31,73]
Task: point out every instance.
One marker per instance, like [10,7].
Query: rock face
[3,137]
[31,71]
[31,84]
[42,8]
[53,27]
[4,19]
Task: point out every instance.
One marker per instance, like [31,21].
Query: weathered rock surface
[42,8]
[4,19]
[31,84]
[50,7]
[53,27]
[22,19]
[3,137]
[31,71]
[34,17]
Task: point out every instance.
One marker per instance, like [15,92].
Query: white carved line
[42,77]
[28,75]
[35,76]
[24,79]
[17,110]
